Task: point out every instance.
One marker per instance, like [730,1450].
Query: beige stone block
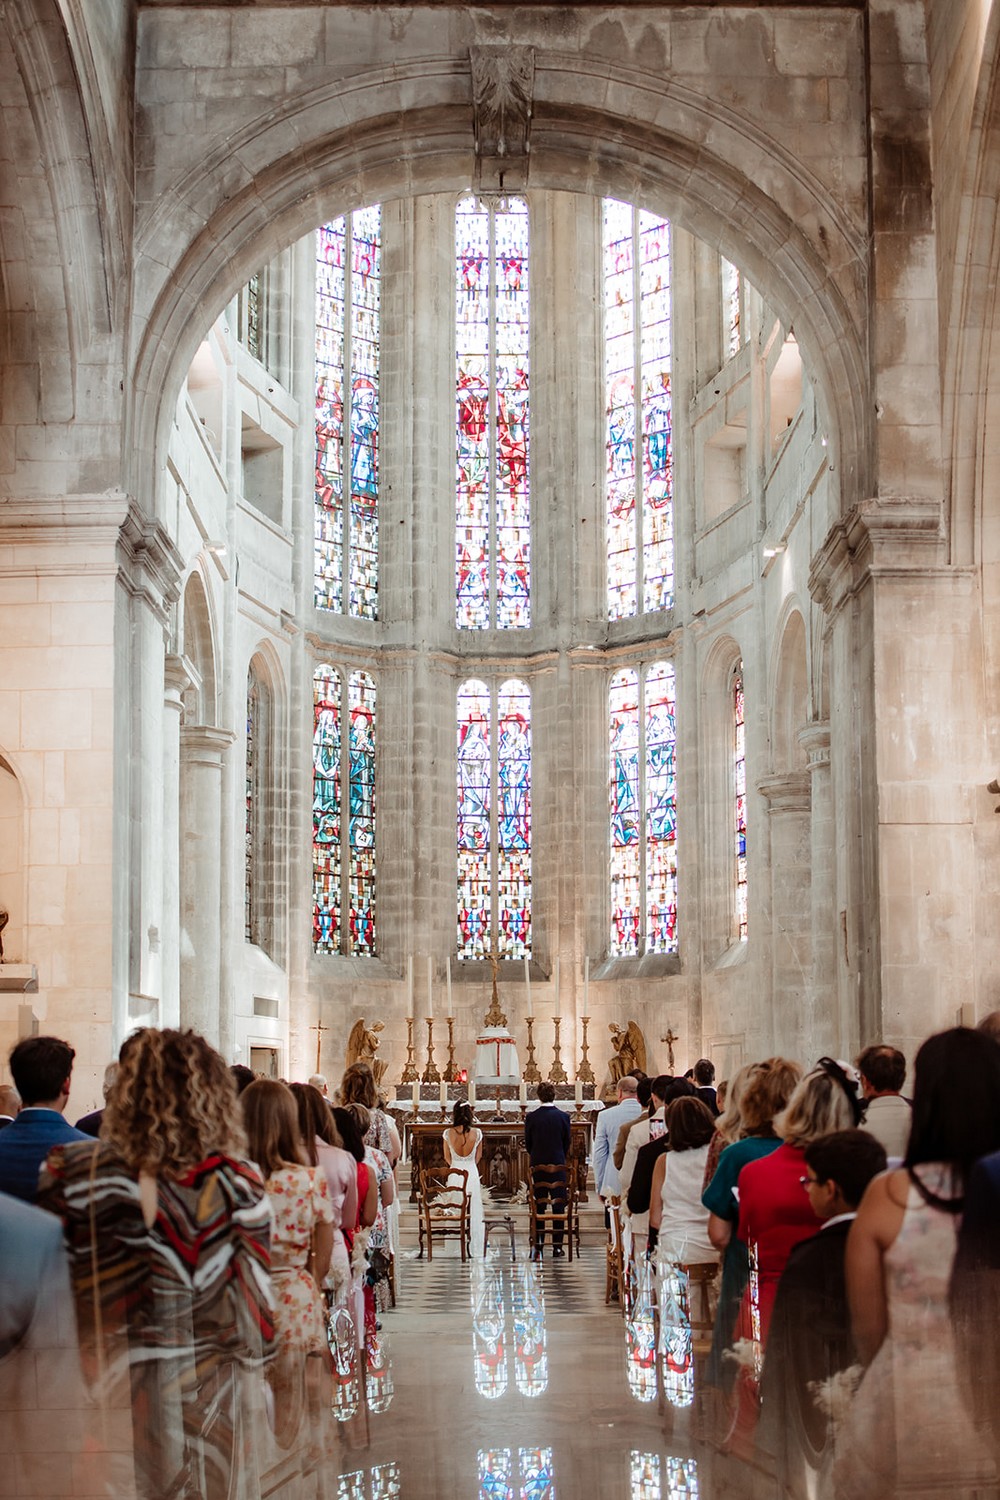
[88,894]
[84,588]
[69,836]
[42,1469]
[103,719]
[24,624]
[84,624]
[18,590]
[56,721]
[102,1474]
[96,836]
[88,778]
[47,894]
[54,778]
[10,720]
[43,835]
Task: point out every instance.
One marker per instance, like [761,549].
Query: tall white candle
[444,1094]
[472,1091]
[522,1092]
[447,971]
[430,991]
[555,977]
[409,985]
[416,1094]
[527,985]
[586,985]
[578,1092]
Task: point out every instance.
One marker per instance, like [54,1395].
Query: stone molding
[149,565]
[176,680]
[885,536]
[815,741]
[503,82]
[205,743]
[791,791]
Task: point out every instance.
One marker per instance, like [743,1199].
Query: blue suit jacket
[26,1143]
[609,1123]
[546,1134]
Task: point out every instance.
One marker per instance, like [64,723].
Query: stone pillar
[822,1032]
[201,754]
[175,680]
[786,797]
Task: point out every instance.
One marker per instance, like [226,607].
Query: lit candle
[527,985]
[472,1091]
[555,977]
[578,1092]
[430,990]
[447,971]
[409,986]
[444,1094]
[522,1092]
[416,1094]
[586,985]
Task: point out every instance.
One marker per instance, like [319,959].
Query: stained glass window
[643,806]
[494,820]
[250,826]
[251,315]
[532,1478]
[732,307]
[348,272]
[640,545]
[647,1472]
[740,800]
[343,878]
[493,516]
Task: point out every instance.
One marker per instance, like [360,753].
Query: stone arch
[249,196]
[789,694]
[265,877]
[197,642]
[13,870]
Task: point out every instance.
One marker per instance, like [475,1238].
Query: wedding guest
[609,1123]
[908,1428]
[358,1087]
[975,1299]
[729,1097]
[703,1078]
[676,1211]
[91,1124]
[378,1278]
[888,1115]
[242,1076]
[324,1149]
[645,1130]
[10,1103]
[176,1226]
[643,1093]
[42,1070]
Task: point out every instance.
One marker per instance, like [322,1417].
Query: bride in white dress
[463,1147]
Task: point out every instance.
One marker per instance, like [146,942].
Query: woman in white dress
[463,1147]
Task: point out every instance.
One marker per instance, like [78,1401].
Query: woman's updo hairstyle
[461,1117]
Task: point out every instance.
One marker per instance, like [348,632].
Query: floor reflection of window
[647,1472]
[640,1340]
[489,1328]
[343,1340]
[532,1477]
[379,1483]
[676,1362]
[531,1364]
[495,1329]
[379,1386]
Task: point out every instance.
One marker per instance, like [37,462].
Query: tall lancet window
[252,807]
[640,536]
[493,514]
[348,257]
[494,820]
[343,799]
[732,308]
[643,798]
[740,799]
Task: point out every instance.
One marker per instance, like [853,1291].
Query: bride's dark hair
[462,1116]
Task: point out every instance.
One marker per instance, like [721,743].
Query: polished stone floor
[517,1382]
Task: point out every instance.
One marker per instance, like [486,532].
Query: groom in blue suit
[41,1067]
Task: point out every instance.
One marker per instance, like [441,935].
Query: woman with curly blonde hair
[167,1219]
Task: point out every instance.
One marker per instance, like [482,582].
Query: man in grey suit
[609,1122]
[41,1067]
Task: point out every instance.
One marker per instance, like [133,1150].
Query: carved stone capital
[788,792]
[886,536]
[815,741]
[149,565]
[503,82]
[176,680]
[205,744]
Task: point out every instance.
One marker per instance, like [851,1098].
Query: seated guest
[10,1103]
[42,1068]
[810,1336]
[91,1124]
[888,1115]
[643,1092]
[676,1211]
[704,1081]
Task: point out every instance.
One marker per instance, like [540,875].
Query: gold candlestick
[410,1073]
[557,1073]
[499,1114]
[430,1073]
[531,1073]
[585,1073]
[451,1072]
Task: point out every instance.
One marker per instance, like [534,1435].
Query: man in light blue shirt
[609,1122]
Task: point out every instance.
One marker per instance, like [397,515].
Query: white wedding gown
[466,1165]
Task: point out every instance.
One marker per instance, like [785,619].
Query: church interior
[502,530]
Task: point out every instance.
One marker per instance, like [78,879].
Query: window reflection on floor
[676,1358]
[379,1483]
[649,1473]
[499,1323]
[640,1338]
[528,1475]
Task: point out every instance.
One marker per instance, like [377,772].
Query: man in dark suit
[91,1124]
[704,1081]
[41,1067]
[546,1140]
[810,1334]
[10,1103]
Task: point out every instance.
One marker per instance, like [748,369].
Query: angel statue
[362,1044]
[630,1050]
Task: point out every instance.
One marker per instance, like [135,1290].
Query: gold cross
[319,1029]
[670,1038]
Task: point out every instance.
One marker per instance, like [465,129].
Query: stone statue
[630,1050]
[4,919]
[362,1045]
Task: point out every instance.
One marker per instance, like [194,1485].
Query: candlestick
[557,1073]
[555,976]
[498,1117]
[451,1072]
[527,985]
[447,974]
[585,1072]
[409,986]
[586,986]
[430,1073]
[410,1074]
[531,1073]
[430,990]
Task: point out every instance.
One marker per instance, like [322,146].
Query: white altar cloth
[496,1057]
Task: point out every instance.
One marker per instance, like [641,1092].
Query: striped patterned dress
[184,1320]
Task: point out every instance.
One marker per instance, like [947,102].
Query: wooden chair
[702,1298]
[614,1282]
[443,1204]
[553,1204]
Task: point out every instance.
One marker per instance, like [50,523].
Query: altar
[504,1164]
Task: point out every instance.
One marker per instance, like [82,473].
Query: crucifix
[319,1028]
[670,1038]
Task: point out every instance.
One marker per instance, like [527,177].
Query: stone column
[786,797]
[822,1033]
[175,680]
[201,755]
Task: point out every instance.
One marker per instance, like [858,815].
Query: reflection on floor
[503,1381]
